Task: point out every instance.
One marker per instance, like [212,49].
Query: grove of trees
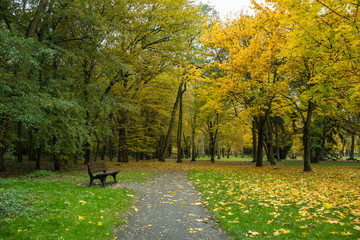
[89,78]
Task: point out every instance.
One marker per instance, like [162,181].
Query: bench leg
[114,176]
[91,181]
[103,181]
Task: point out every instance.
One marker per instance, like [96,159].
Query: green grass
[283,202]
[46,205]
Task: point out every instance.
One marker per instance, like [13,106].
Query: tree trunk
[179,149]
[171,126]
[193,130]
[228,153]
[219,153]
[269,135]
[55,157]
[35,22]
[260,141]
[253,130]
[103,152]
[38,157]
[278,158]
[111,150]
[212,151]
[352,149]
[306,139]
[2,153]
[31,147]
[19,143]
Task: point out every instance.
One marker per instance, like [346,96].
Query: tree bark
[260,141]
[193,130]
[38,157]
[19,143]
[352,149]
[32,156]
[270,153]
[278,158]
[179,149]
[171,126]
[35,22]
[253,130]
[306,139]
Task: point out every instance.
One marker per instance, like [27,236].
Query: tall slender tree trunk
[179,149]
[260,141]
[269,134]
[171,125]
[306,139]
[31,146]
[254,137]
[38,157]
[278,158]
[193,130]
[55,157]
[352,148]
[19,143]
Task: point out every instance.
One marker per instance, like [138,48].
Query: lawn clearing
[283,202]
[47,205]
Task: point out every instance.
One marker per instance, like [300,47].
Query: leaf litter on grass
[283,201]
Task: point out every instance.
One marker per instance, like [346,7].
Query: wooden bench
[99,167]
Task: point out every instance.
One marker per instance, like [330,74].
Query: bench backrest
[98,166]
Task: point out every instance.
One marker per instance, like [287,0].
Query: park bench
[98,170]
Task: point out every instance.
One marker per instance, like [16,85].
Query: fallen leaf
[99,224]
[346,233]
[82,202]
[81,218]
[270,221]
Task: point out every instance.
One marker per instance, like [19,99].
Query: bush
[40,173]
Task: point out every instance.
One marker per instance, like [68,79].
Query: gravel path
[168,207]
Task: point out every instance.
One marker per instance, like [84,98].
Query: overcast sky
[224,7]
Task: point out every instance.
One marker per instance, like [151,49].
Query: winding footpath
[168,206]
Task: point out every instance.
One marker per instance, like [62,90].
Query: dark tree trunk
[228,153]
[278,158]
[179,148]
[171,125]
[103,152]
[111,150]
[38,157]
[306,139]
[212,151]
[352,149]
[32,156]
[219,153]
[2,160]
[253,130]
[269,136]
[19,143]
[123,147]
[193,149]
[261,127]
[55,157]
[35,22]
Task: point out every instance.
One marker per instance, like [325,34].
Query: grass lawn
[282,202]
[46,205]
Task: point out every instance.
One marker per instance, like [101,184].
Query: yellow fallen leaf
[81,218]
[334,233]
[346,233]
[198,229]
[303,234]
[190,214]
[253,233]
[303,227]
[277,233]
[99,223]
[284,231]
[99,197]
[270,221]
[198,220]
[19,230]
[328,205]
[357,227]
